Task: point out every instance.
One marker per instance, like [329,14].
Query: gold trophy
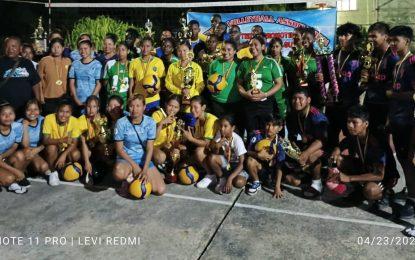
[293,151]
[40,38]
[149,28]
[208,58]
[367,62]
[184,32]
[302,67]
[188,80]
[254,82]
[174,152]
[103,134]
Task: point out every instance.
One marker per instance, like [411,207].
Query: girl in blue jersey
[134,137]
[32,125]
[10,162]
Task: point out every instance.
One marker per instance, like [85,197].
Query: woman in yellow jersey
[175,80]
[141,67]
[95,138]
[202,133]
[166,124]
[60,137]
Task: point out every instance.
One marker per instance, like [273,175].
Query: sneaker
[16,188]
[410,232]
[24,183]
[206,182]
[407,211]
[220,185]
[311,192]
[54,179]
[254,188]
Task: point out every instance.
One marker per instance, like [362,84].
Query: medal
[58,82]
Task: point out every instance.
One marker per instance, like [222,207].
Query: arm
[149,154]
[236,171]
[97,88]
[169,82]
[9,152]
[47,140]
[72,91]
[85,154]
[377,175]
[119,148]
[277,189]
[37,91]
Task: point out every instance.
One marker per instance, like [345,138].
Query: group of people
[237,110]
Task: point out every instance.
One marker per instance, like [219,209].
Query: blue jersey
[35,132]
[85,75]
[280,151]
[135,136]
[15,136]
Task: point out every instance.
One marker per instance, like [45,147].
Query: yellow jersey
[206,129]
[167,133]
[140,68]
[57,131]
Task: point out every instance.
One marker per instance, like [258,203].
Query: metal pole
[50,16]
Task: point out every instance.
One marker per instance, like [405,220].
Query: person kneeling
[134,143]
[265,157]
[360,159]
[227,156]
[60,137]
[307,129]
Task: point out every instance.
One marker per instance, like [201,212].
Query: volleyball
[140,190]
[264,144]
[72,172]
[188,175]
[151,83]
[216,83]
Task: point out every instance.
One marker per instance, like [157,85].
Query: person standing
[18,78]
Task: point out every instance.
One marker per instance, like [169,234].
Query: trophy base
[170,178]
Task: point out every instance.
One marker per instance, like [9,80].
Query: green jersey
[267,72]
[227,69]
[117,77]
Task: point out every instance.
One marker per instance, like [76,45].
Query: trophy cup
[174,152]
[149,28]
[188,79]
[40,38]
[184,32]
[367,62]
[103,134]
[293,151]
[254,82]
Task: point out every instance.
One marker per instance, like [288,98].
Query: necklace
[228,71]
[145,68]
[362,153]
[58,72]
[301,123]
[377,66]
[257,66]
[340,68]
[398,68]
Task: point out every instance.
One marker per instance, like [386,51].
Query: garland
[333,78]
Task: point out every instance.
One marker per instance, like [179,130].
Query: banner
[278,24]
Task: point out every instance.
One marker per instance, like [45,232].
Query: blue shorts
[140,162]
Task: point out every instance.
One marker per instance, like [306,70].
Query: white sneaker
[220,185]
[54,179]
[16,188]
[205,182]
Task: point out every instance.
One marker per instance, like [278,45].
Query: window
[347,5]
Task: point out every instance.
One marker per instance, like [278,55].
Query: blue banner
[278,24]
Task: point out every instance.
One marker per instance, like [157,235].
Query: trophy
[40,37]
[301,66]
[184,32]
[149,28]
[254,82]
[208,58]
[174,152]
[103,133]
[292,150]
[367,62]
[188,80]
